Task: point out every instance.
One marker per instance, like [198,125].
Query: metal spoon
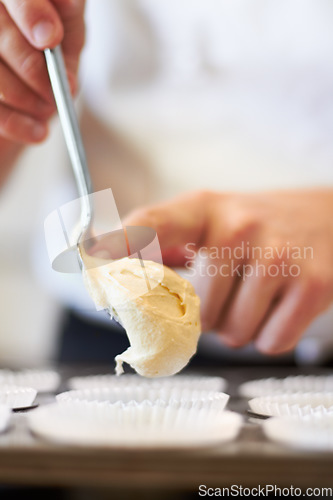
[70,126]
[69,122]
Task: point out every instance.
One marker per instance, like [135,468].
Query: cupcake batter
[158,309]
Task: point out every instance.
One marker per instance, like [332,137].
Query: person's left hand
[263,262]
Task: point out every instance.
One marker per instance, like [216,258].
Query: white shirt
[218,94]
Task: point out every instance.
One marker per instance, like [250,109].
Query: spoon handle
[69,122]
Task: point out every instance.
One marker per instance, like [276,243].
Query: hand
[26,28]
[263,262]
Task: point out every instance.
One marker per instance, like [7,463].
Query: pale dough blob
[161,318]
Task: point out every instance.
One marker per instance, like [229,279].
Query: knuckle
[237,232]
[16,127]
[33,66]
[241,225]
[24,11]
[14,98]
[30,11]
[145,217]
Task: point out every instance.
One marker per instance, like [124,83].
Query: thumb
[38,20]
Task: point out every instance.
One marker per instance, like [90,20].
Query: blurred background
[175,95]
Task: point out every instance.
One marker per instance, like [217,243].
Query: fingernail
[264,344]
[38,131]
[42,33]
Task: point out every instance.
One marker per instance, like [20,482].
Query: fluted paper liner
[293,404]
[17,397]
[200,383]
[133,425]
[300,383]
[4,417]
[41,380]
[178,397]
[309,432]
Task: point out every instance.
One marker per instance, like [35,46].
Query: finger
[25,61]
[213,280]
[18,127]
[38,20]
[177,222]
[226,233]
[29,63]
[14,94]
[72,15]
[295,311]
[250,305]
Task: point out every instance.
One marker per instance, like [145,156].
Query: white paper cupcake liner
[41,380]
[293,404]
[199,383]
[4,417]
[133,425]
[17,397]
[178,397]
[310,432]
[300,383]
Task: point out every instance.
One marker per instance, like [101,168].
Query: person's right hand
[27,27]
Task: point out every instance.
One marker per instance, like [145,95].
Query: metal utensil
[69,122]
